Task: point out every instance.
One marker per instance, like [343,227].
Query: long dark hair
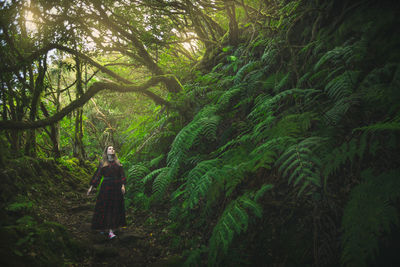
[104,161]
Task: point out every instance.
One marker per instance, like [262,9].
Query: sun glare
[31,26]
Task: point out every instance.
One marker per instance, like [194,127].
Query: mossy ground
[31,190]
[46,218]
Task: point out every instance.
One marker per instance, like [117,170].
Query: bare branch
[94,89]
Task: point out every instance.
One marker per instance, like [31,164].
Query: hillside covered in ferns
[282,146]
[292,154]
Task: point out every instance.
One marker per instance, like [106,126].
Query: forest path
[135,245]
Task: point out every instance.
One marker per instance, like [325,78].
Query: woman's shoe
[111,235]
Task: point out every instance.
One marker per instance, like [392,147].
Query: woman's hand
[123,189]
[90,189]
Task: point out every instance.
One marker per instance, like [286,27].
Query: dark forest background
[255,132]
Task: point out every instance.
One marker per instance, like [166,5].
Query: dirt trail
[134,245]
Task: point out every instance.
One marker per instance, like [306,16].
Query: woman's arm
[123,179]
[95,178]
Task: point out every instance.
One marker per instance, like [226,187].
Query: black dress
[109,212]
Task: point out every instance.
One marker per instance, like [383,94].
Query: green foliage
[16,206]
[343,56]
[240,75]
[368,215]
[344,153]
[199,179]
[300,164]
[342,86]
[135,186]
[269,58]
[233,220]
[204,125]
[339,109]
[381,126]
[138,171]
[194,256]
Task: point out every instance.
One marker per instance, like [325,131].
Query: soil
[138,244]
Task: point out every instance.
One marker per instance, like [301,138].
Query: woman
[109,212]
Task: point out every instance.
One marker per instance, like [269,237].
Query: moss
[9,255]
[27,186]
[34,244]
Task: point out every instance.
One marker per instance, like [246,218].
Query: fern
[153,174]
[344,153]
[245,70]
[260,192]
[269,58]
[342,86]
[299,163]
[339,109]
[271,82]
[262,105]
[233,220]
[138,171]
[156,161]
[283,83]
[226,97]
[265,155]
[266,103]
[293,125]
[336,55]
[368,215]
[233,176]
[135,186]
[381,126]
[205,124]
[199,179]
[162,180]
[194,256]
[344,55]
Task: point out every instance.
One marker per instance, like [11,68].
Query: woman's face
[110,150]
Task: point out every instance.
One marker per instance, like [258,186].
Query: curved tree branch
[94,89]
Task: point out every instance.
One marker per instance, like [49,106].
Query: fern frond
[339,109]
[162,181]
[269,58]
[342,86]
[265,154]
[204,123]
[199,179]
[233,176]
[245,70]
[272,81]
[138,171]
[185,138]
[152,174]
[156,161]
[194,256]
[209,127]
[299,163]
[369,215]
[283,83]
[380,126]
[226,97]
[260,192]
[233,220]
[335,55]
[293,125]
[344,153]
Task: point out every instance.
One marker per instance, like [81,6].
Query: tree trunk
[54,134]
[233,26]
[78,148]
